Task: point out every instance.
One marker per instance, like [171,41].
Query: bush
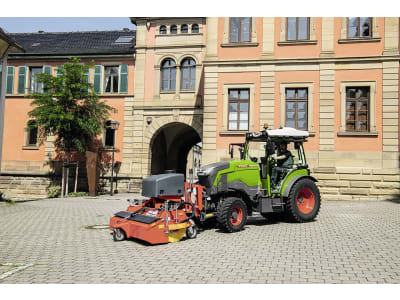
[54,191]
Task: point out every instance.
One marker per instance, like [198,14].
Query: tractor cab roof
[285,134]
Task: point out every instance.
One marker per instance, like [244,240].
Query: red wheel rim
[305,201]
[236,215]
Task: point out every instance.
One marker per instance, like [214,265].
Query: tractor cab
[278,153]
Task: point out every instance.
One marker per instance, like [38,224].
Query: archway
[170,147]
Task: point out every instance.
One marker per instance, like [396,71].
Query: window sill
[356,134]
[179,34]
[233,132]
[359,40]
[240,44]
[167,92]
[114,95]
[187,91]
[298,42]
[30,147]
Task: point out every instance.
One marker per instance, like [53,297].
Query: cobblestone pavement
[350,242]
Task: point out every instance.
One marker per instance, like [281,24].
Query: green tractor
[272,177]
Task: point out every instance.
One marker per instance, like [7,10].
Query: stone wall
[341,183]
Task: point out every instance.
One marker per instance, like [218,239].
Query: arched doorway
[170,147]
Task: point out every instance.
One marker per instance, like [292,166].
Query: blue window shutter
[87,77]
[22,80]
[58,71]
[10,80]
[46,70]
[97,79]
[123,79]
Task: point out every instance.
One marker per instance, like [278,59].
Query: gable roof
[74,43]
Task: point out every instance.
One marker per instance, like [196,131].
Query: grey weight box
[163,185]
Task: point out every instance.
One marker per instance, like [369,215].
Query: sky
[61,24]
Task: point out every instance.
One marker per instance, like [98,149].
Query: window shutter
[58,71]
[123,78]
[46,70]
[21,80]
[86,75]
[97,79]
[10,80]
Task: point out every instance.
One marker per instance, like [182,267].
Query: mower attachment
[161,219]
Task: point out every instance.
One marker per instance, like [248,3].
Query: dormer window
[195,28]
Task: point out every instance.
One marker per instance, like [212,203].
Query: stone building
[210,80]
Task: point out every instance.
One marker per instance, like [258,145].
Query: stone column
[267,96]
[327,42]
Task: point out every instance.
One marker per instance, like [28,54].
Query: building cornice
[272,61]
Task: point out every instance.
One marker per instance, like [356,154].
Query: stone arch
[188,130]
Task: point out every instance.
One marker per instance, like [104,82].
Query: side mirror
[231,151]
[241,150]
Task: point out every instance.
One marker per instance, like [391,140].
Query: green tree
[68,108]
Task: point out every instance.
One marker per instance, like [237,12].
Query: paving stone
[350,242]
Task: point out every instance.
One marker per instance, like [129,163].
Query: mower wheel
[303,202]
[118,235]
[232,214]
[191,232]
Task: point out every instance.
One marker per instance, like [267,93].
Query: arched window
[163,29]
[168,75]
[188,70]
[174,29]
[195,28]
[184,28]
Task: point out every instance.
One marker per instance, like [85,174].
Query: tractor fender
[288,187]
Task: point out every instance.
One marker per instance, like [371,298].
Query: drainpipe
[2,97]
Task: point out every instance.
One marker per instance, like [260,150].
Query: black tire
[232,214]
[191,232]
[118,235]
[304,201]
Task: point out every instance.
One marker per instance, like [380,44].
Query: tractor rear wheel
[303,202]
[232,214]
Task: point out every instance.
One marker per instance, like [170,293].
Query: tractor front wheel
[303,202]
[232,214]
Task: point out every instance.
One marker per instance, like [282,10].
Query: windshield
[255,151]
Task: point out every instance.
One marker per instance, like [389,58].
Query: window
[195,28]
[174,29]
[163,29]
[188,69]
[124,39]
[168,75]
[238,118]
[34,86]
[240,30]
[32,133]
[109,139]
[297,29]
[359,27]
[296,108]
[357,107]
[184,29]
[111,74]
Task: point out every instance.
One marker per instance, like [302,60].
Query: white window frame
[371,110]
[232,86]
[310,104]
